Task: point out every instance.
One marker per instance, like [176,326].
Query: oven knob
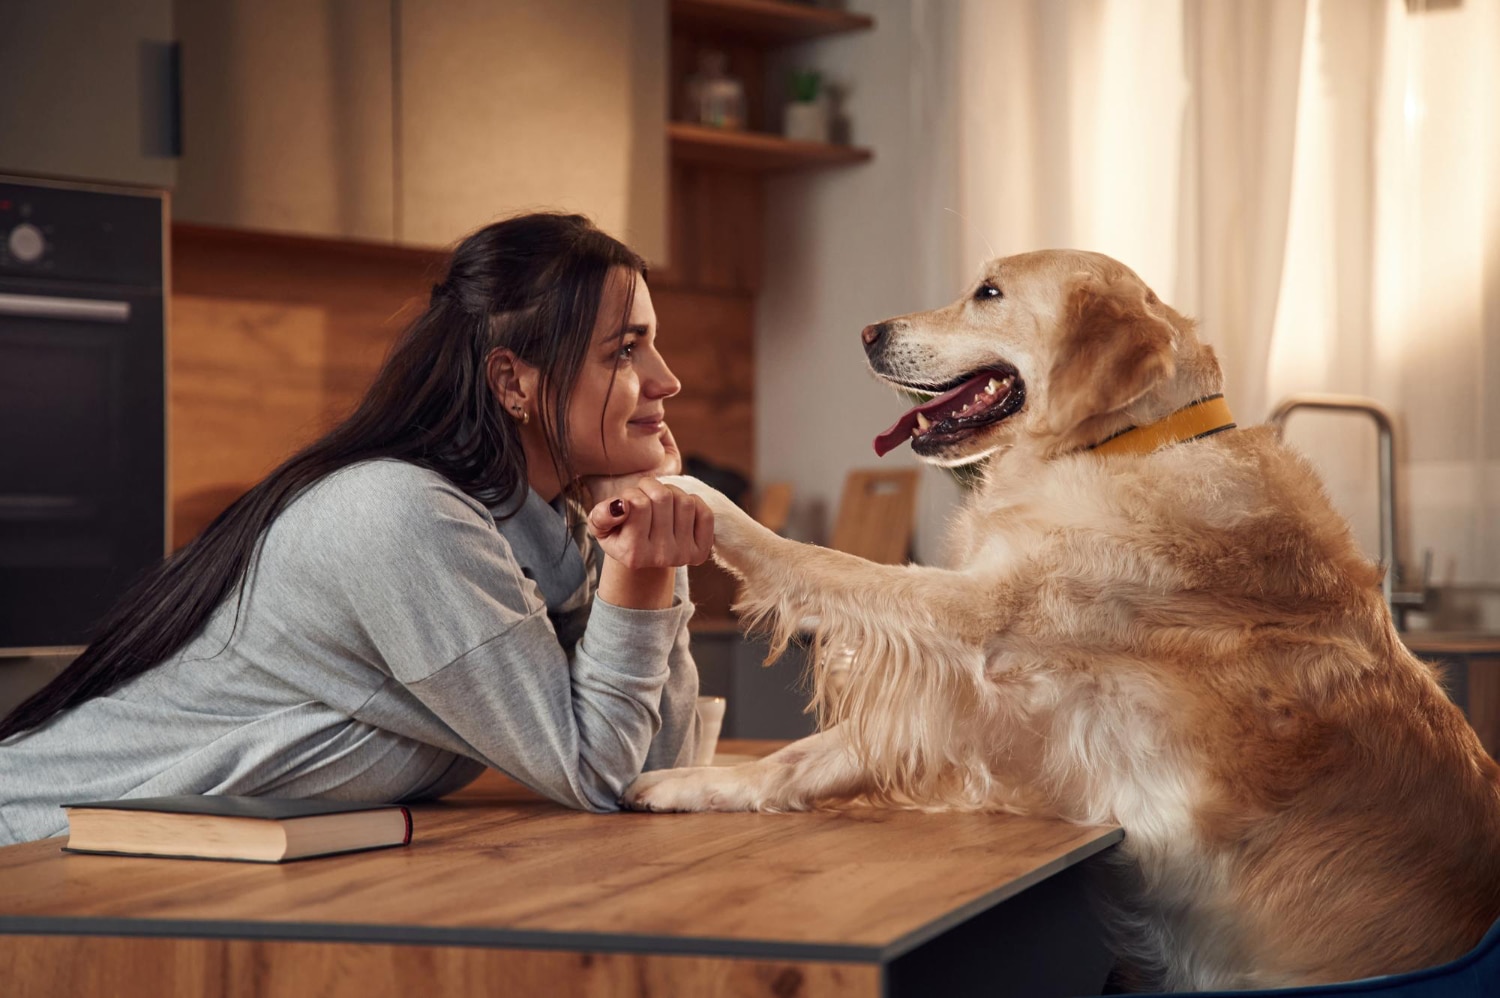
[27,243]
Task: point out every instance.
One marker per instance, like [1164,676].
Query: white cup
[710,720]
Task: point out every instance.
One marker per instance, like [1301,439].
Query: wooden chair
[875,521]
[876,515]
[774,506]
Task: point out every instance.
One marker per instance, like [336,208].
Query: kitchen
[316,160]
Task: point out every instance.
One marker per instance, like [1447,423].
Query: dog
[1154,619]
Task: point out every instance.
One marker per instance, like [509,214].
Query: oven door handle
[52,307]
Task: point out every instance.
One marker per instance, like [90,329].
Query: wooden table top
[496,865]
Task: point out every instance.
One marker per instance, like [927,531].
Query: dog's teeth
[979,396]
[923,422]
[965,408]
[916,432]
[993,386]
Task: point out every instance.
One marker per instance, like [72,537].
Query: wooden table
[503,893]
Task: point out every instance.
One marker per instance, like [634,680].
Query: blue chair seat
[1476,974]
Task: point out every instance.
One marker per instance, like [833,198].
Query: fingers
[607,516]
[703,531]
[672,460]
[663,510]
[654,525]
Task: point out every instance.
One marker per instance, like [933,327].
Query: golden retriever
[1155,620]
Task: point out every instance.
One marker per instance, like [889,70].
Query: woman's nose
[662,384]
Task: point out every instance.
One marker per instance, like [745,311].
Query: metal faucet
[1385,424]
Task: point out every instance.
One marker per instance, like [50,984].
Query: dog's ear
[1112,351]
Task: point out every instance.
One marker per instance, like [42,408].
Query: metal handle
[49,307]
[1385,426]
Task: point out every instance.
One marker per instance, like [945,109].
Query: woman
[415,596]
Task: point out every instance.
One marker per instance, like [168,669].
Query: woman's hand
[600,487]
[647,531]
[652,525]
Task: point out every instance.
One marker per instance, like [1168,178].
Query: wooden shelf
[754,152]
[771,21]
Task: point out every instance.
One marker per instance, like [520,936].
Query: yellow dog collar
[1202,418]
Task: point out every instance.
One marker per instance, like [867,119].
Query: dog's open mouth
[974,401]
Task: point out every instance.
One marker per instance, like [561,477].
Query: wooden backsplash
[272,339]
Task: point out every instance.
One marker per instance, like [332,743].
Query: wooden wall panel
[708,340]
[273,339]
[112,967]
[715,219]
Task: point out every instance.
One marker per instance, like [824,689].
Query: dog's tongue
[900,432]
[896,435]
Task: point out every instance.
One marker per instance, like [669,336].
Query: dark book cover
[224,806]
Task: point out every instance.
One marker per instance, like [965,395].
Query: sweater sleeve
[443,602]
[676,743]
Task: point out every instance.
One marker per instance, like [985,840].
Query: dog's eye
[987,291]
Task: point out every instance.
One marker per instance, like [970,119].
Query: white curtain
[1392,282]
[1315,180]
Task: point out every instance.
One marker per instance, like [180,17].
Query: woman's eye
[987,291]
[626,349]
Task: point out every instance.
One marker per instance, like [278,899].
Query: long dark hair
[531,283]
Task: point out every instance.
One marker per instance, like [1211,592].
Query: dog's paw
[734,529]
[716,500]
[705,788]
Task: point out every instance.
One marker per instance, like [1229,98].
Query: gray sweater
[393,640]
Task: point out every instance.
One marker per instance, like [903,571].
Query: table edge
[936,927]
[545,939]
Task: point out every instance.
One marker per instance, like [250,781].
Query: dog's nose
[876,336]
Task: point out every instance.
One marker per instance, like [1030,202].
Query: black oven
[82,406]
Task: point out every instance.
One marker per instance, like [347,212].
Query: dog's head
[1055,349]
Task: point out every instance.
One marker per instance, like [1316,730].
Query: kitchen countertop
[1452,642]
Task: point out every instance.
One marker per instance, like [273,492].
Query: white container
[710,721]
[805,121]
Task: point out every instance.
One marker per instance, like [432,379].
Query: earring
[522,416]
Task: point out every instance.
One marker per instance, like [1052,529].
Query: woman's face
[616,416]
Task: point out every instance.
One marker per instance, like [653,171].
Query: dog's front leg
[790,581]
[821,767]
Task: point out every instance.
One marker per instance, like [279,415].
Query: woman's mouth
[649,424]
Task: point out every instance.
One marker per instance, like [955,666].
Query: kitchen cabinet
[89,91]
[531,104]
[1470,664]
[417,121]
[288,117]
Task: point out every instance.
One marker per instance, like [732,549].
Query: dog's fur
[1187,643]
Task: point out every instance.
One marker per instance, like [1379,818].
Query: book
[252,829]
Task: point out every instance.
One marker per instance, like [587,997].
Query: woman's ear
[1112,351]
[512,380]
